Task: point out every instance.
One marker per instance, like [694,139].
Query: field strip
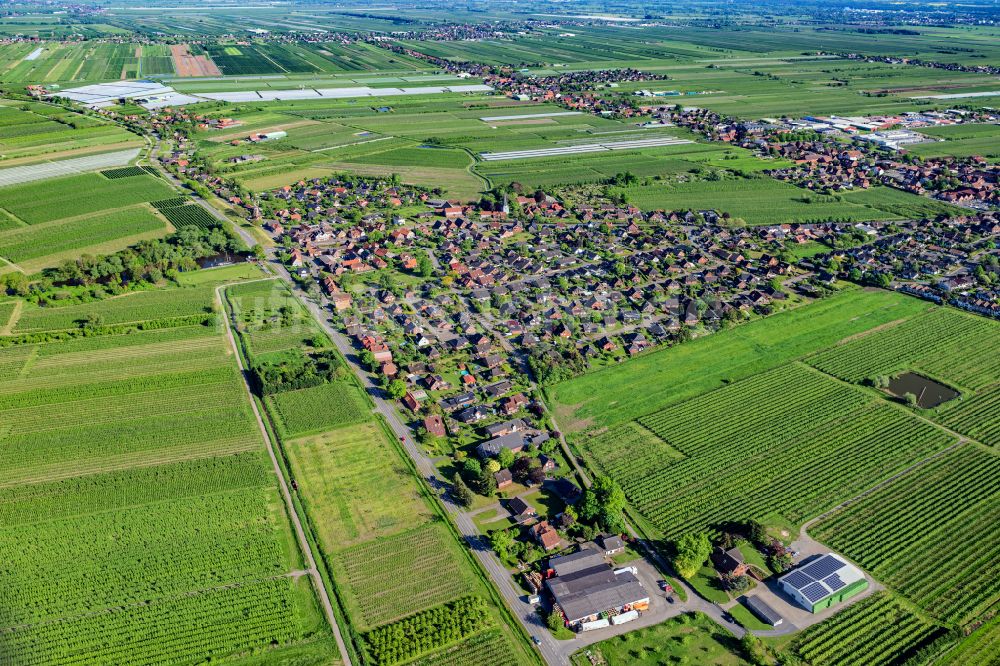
[142,603]
[348,145]
[118,462]
[26,174]
[552,114]
[303,543]
[991,93]
[583,148]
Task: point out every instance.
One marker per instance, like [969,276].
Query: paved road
[296,522]
[26,174]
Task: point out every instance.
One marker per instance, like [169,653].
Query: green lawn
[690,638]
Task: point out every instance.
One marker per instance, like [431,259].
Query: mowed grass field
[389,552]
[53,219]
[140,513]
[758,201]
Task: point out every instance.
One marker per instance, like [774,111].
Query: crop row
[950,344]
[143,485]
[112,558]
[172,202]
[394,576]
[190,215]
[489,648]
[978,416]
[794,477]
[53,199]
[875,631]
[427,630]
[135,307]
[207,626]
[904,512]
[123,172]
[331,405]
[35,242]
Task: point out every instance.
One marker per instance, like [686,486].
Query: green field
[730,426]
[135,307]
[319,408]
[141,516]
[32,132]
[960,141]
[689,637]
[52,199]
[652,381]
[756,201]
[768,450]
[44,240]
[878,630]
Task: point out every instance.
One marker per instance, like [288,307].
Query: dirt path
[289,505]
[14,316]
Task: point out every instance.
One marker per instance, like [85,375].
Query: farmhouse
[590,593]
[824,581]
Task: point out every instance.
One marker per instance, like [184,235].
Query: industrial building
[823,582]
[591,594]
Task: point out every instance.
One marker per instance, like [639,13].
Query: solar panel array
[823,567]
[819,579]
[833,582]
[797,579]
[814,592]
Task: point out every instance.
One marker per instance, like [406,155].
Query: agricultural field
[20,245]
[829,436]
[756,201]
[35,203]
[949,344]
[373,584]
[132,308]
[960,141]
[906,534]
[316,409]
[138,502]
[653,381]
[878,630]
[980,647]
[33,132]
[83,62]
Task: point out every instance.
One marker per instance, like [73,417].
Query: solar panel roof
[823,567]
[797,579]
[814,592]
[833,582]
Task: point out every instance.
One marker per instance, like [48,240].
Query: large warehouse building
[592,594]
[823,582]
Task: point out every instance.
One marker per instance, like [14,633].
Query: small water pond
[929,393]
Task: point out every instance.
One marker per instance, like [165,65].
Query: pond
[929,393]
